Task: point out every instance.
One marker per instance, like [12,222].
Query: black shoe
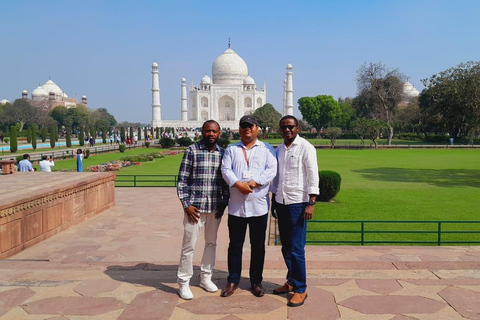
[258,290]
[229,289]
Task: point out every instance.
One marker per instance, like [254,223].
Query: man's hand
[308,213]
[253,184]
[220,211]
[243,187]
[193,214]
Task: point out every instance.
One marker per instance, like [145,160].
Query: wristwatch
[311,202]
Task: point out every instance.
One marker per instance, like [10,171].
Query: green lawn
[411,184]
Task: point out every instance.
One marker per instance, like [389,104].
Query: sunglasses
[290,127]
[245,125]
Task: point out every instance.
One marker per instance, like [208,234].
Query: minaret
[184,109]
[289,92]
[284,95]
[156,106]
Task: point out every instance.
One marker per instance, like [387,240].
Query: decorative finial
[229,43]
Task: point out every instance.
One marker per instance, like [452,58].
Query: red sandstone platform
[121,264]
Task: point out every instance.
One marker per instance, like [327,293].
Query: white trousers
[210,224]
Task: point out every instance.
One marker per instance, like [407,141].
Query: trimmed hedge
[329,184]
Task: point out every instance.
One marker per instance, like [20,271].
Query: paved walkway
[122,264]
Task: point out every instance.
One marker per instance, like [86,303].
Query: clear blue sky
[104,49]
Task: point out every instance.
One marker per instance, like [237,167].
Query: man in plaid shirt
[204,196]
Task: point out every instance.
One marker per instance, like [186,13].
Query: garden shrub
[167,142]
[87,153]
[142,157]
[19,158]
[147,144]
[329,185]
[121,148]
[184,141]
[224,140]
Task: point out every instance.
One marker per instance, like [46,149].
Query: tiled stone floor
[122,264]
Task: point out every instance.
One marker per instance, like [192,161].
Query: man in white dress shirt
[295,189]
[46,165]
[248,167]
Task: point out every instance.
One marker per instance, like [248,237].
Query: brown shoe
[286,288]
[297,300]
[258,290]
[229,289]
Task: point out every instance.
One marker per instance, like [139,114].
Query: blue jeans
[237,228]
[293,233]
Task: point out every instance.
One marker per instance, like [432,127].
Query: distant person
[451,141]
[25,165]
[111,139]
[46,165]
[204,197]
[79,160]
[294,190]
[135,138]
[92,141]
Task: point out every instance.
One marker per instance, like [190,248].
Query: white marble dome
[154,64]
[249,80]
[39,92]
[206,80]
[4,101]
[229,68]
[51,86]
[409,90]
[24,91]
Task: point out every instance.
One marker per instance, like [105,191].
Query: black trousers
[237,228]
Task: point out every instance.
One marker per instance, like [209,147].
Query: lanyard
[246,158]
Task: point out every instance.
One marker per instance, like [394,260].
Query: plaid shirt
[200,181]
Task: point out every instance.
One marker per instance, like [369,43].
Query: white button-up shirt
[263,167]
[297,172]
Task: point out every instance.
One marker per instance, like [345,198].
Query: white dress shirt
[262,166]
[45,165]
[297,172]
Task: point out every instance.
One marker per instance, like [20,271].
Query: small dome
[39,92]
[409,90]
[24,91]
[229,68]
[51,86]
[84,97]
[206,80]
[4,101]
[289,66]
[184,80]
[248,80]
[154,64]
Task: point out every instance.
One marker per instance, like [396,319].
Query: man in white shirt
[295,189]
[46,165]
[248,167]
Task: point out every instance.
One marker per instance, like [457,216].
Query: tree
[21,112]
[319,111]
[122,134]
[44,133]
[267,117]
[52,137]
[347,115]
[81,136]
[34,129]
[68,137]
[374,128]
[29,135]
[131,132]
[384,86]
[157,133]
[145,133]
[104,136]
[61,115]
[13,139]
[451,99]
[333,133]
[360,126]
[139,133]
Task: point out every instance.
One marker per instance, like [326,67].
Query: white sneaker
[184,292]
[208,285]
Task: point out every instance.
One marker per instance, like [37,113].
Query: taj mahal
[225,97]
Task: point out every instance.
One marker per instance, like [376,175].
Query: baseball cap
[248,119]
